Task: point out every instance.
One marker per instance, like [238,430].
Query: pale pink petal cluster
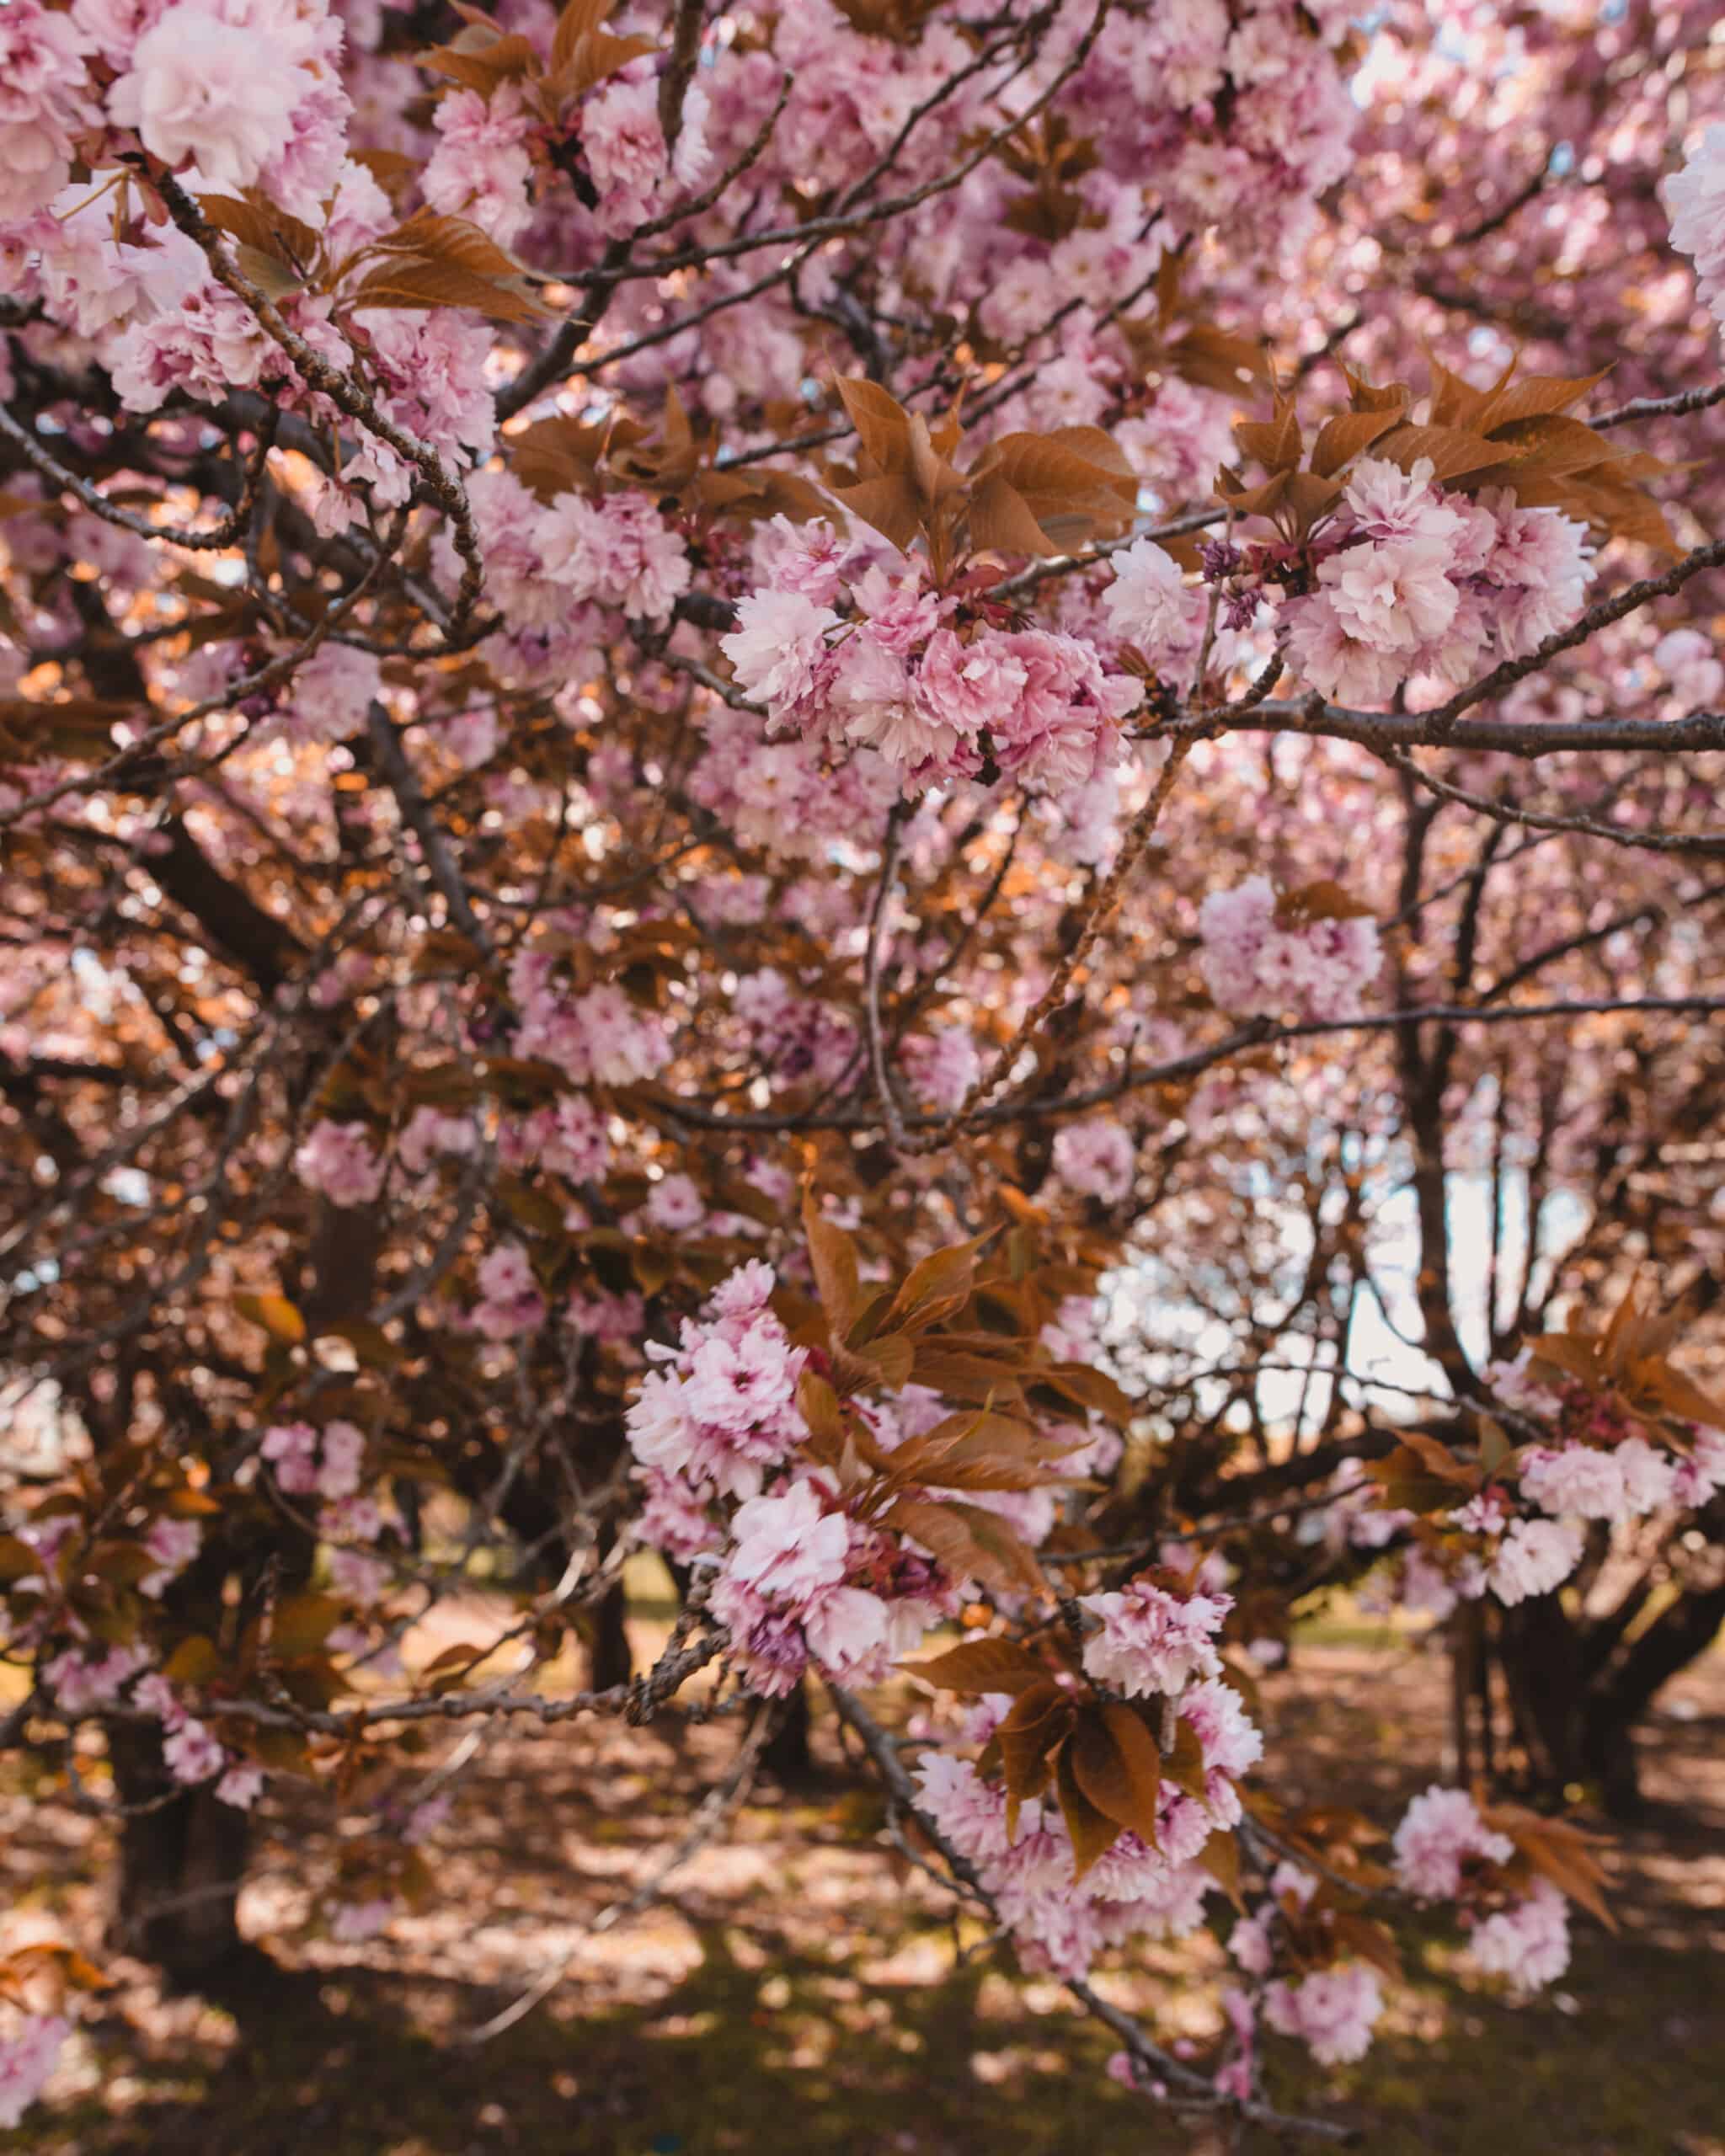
[721,1410]
[617,551]
[1441,1831]
[1097,1158]
[1150,605]
[510,1298]
[1589,1482]
[81,1681]
[1422,581]
[1151,1639]
[1535,1556]
[337,1160]
[892,676]
[1255,966]
[1333,2011]
[1696,197]
[27,2057]
[310,1463]
[601,1036]
[1528,1942]
[1062,1923]
[45,102]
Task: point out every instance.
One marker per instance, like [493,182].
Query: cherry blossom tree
[918,800]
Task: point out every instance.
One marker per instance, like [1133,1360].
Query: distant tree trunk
[181,1864]
[610,1660]
[1577,1691]
[786,1755]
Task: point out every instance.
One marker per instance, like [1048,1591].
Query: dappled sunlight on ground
[804,1989]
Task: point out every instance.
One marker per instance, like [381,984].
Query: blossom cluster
[562,574]
[28,2056]
[595,1036]
[717,1437]
[1152,1640]
[1421,580]
[1258,963]
[1332,2011]
[191,1751]
[1696,198]
[1061,1922]
[899,672]
[1445,1851]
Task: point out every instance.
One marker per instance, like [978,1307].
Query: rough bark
[1577,1712]
[181,1864]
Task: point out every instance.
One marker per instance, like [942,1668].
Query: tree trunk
[181,1864]
[610,1661]
[1577,1692]
[786,1755]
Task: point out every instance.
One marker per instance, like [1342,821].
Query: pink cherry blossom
[1151,1640]
[337,1162]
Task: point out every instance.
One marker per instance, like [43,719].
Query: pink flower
[192,1752]
[624,147]
[1539,566]
[1096,1157]
[1440,1831]
[675,1205]
[969,689]
[1333,2011]
[788,1546]
[511,1302]
[1649,1477]
[1698,1477]
[1321,650]
[433,370]
[43,102]
[343,1447]
[1149,605]
[80,1682]
[241,1786]
[874,706]
[851,1633]
[1232,1742]
[1696,197]
[337,1161]
[429,1132]
[173,1543]
[776,647]
[623,1042]
[1151,1640]
[573,1140]
[1690,659]
[481,168]
[1255,966]
[154,1695]
[202,86]
[1529,1942]
[1535,1556]
[942,1066]
[728,1410]
[358,1577]
[332,693]
[1249,1943]
[618,551]
[766,1645]
[291,1448]
[26,2060]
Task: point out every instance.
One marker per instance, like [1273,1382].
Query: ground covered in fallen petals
[801,1990]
